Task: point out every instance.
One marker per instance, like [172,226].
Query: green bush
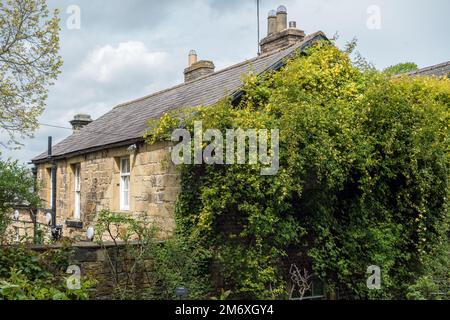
[144,267]
[19,287]
[434,283]
[175,264]
[27,275]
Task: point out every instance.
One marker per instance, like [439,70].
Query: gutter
[89,150]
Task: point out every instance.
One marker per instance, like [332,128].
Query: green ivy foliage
[363,179]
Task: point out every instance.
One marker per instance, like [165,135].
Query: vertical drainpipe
[55,232]
[34,211]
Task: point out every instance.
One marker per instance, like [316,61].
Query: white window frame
[77,192]
[125,175]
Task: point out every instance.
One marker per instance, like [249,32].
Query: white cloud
[129,60]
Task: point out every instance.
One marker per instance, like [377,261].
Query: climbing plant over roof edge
[363,180]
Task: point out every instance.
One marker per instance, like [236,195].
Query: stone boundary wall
[93,261]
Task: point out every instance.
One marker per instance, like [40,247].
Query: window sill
[74,224]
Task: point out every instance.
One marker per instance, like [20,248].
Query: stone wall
[95,261]
[153,190]
[281,40]
[21,230]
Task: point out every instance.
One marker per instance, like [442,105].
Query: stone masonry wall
[98,262]
[153,190]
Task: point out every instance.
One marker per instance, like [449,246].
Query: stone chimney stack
[281,18]
[197,69]
[279,35]
[272,22]
[79,121]
[192,58]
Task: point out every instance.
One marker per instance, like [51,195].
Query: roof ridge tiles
[429,68]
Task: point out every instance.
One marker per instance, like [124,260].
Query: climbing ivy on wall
[363,179]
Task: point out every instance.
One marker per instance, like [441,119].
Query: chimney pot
[281,9]
[79,121]
[192,58]
[281,18]
[279,35]
[197,69]
[272,22]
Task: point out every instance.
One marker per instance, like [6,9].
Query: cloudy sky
[127,49]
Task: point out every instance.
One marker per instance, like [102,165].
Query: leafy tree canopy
[401,68]
[29,62]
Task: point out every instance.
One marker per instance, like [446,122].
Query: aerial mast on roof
[257,21]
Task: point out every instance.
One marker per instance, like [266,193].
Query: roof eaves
[38,160]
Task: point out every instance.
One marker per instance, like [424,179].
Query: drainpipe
[56,231]
[34,211]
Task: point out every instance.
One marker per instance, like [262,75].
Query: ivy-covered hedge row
[363,180]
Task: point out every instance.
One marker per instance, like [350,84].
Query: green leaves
[29,63]
[401,68]
[27,275]
[165,266]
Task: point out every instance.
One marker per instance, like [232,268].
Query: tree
[16,188]
[401,68]
[29,62]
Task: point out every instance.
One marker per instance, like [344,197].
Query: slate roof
[442,69]
[127,122]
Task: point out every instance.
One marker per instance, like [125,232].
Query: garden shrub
[29,275]
[144,267]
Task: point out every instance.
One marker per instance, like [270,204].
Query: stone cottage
[105,164]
